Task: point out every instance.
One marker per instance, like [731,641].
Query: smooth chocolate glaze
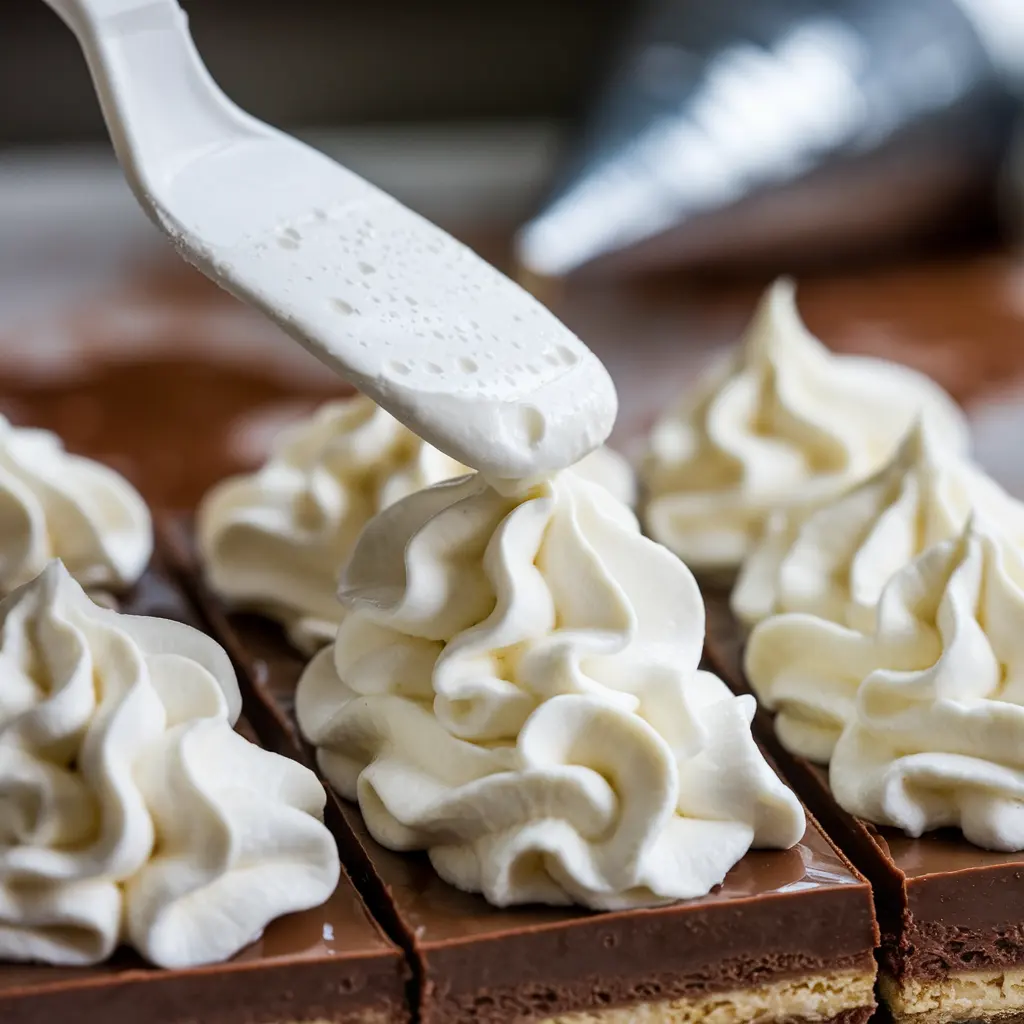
[778,914]
[944,904]
[332,963]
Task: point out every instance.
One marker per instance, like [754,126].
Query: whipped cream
[936,733]
[57,505]
[608,469]
[276,540]
[834,562]
[515,690]
[132,812]
[782,423]
[811,671]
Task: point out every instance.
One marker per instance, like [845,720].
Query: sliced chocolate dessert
[788,936]
[951,913]
[329,964]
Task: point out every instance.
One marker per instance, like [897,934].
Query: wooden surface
[107,337]
[163,366]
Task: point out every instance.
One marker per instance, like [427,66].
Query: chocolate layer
[944,905]
[332,963]
[778,915]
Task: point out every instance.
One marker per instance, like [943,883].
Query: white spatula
[413,318]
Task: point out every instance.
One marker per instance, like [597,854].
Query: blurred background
[646,167]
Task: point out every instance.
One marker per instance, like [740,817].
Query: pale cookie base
[972,995]
[818,997]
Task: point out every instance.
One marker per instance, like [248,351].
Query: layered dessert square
[833,506]
[951,913]
[330,963]
[789,935]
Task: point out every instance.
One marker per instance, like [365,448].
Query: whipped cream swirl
[936,736]
[276,540]
[515,690]
[130,811]
[57,505]
[783,423]
[834,562]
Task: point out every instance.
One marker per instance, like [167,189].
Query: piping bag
[765,132]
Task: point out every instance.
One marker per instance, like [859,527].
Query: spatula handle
[160,103]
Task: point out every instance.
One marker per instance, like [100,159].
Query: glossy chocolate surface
[778,913]
[944,904]
[331,963]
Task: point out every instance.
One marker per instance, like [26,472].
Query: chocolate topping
[332,963]
[778,914]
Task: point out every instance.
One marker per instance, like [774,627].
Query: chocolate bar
[332,963]
[788,935]
[951,913]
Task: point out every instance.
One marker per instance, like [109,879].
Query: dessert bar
[788,936]
[329,964]
[951,913]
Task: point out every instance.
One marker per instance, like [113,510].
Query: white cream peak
[936,734]
[782,423]
[133,812]
[515,689]
[834,561]
[276,540]
[57,505]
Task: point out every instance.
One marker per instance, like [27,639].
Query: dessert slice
[787,935]
[921,717]
[781,423]
[327,963]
